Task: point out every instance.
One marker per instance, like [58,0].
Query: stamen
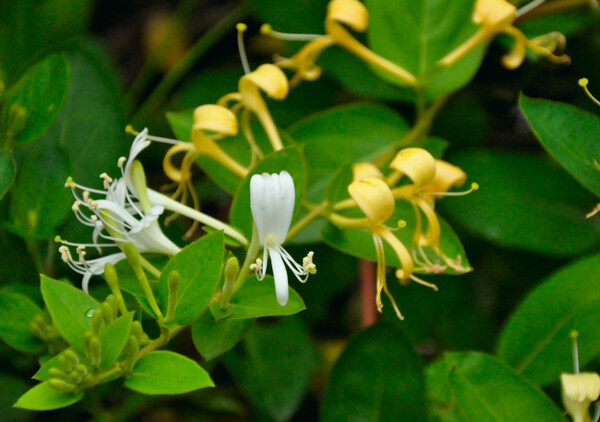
[593,212]
[474,187]
[164,140]
[121,162]
[71,184]
[241,28]
[307,263]
[423,282]
[529,7]
[65,254]
[583,82]
[86,196]
[266,29]
[401,225]
[574,334]
[256,266]
[75,206]
[107,180]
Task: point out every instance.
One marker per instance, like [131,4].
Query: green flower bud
[107,313]
[96,320]
[61,385]
[57,373]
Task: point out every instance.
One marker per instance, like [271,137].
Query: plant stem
[250,257]
[202,46]
[315,212]
[418,132]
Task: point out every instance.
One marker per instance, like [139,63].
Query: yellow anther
[121,161]
[241,27]
[75,206]
[129,129]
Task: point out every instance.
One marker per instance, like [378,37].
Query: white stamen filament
[241,28]
[529,7]
[266,29]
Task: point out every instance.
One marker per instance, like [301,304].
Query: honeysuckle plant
[196,230]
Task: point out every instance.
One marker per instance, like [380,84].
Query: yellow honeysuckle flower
[374,197]
[498,17]
[351,13]
[431,180]
[579,390]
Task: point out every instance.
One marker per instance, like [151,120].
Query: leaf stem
[202,46]
[250,258]
[314,212]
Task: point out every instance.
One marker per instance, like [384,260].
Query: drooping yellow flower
[340,13]
[579,390]
[431,179]
[498,17]
[374,197]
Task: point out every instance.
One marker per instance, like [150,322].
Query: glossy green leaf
[570,135]
[416,34]
[344,134]
[113,339]
[39,94]
[359,242]
[164,372]
[69,308]
[7,172]
[44,397]
[289,159]
[257,299]
[199,266]
[535,341]
[479,387]
[69,147]
[272,355]
[16,314]
[213,338]
[538,208]
[377,378]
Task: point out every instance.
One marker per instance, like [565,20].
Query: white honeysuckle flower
[272,199]
[116,217]
[141,142]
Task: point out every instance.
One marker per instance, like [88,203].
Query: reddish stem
[367,292]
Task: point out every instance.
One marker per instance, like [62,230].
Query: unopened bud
[173,281]
[57,373]
[114,304]
[68,360]
[95,351]
[61,385]
[232,267]
[96,320]
[132,348]
[107,313]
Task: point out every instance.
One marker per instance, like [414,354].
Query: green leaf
[91,116]
[289,159]
[257,299]
[213,338]
[7,172]
[164,372]
[40,94]
[69,308]
[535,341]
[113,338]
[538,208]
[44,397]
[570,135]
[481,388]
[199,266]
[416,34]
[271,355]
[16,314]
[377,378]
[359,242]
[344,134]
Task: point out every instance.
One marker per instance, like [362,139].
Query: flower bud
[374,198]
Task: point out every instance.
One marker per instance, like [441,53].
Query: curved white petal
[280,276]
[259,206]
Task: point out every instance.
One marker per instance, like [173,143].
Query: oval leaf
[257,299]
[44,397]
[7,172]
[69,308]
[166,372]
[570,135]
[537,208]
[40,94]
[199,266]
[113,338]
[213,338]
[535,341]
[481,388]
[377,378]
